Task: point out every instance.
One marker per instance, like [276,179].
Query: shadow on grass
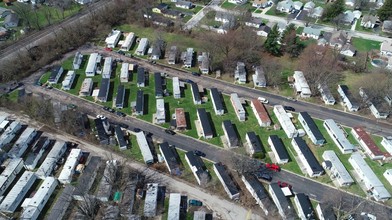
[188,121]
[75,82]
[209,117]
[127,95]
[145,107]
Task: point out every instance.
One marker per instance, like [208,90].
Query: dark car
[264,176]
[111,110]
[121,52]
[120,114]
[189,81]
[194,202]
[123,125]
[199,153]
[289,108]
[168,131]
[195,73]
[137,130]
[105,108]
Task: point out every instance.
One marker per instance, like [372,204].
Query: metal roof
[141,75]
[68,80]
[9,173]
[104,90]
[326,92]
[205,122]
[230,131]
[120,95]
[180,118]
[87,178]
[260,111]
[107,68]
[285,121]
[158,85]
[216,99]
[176,86]
[129,39]
[170,155]
[54,72]
[150,204]
[144,147]
[311,125]
[235,100]
[300,83]
[308,155]
[225,179]
[367,142]
[105,188]
[61,204]
[255,142]
[279,147]
[124,70]
[338,166]
[139,101]
[337,135]
[92,63]
[20,145]
[69,166]
[195,92]
[86,85]
[174,206]
[143,43]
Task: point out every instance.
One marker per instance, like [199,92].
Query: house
[68,170]
[311,128]
[369,21]
[228,183]
[86,88]
[83,2]
[139,108]
[338,39]
[387,26]
[171,157]
[238,2]
[301,85]
[51,159]
[254,145]
[278,148]
[348,17]
[387,144]
[312,166]
[224,17]
[184,4]
[230,134]
[176,88]
[14,197]
[21,145]
[311,32]
[281,27]
[254,22]
[9,174]
[120,97]
[142,47]
[205,126]
[258,77]
[128,42]
[4,12]
[368,177]
[285,121]
[141,77]
[326,94]
[68,80]
[77,61]
[120,137]
[217,101]
[36,153]
[388,175]
[86,180]
[225,27]
[240,73]
[325,212]
[349,3]
[263,31]
[309,6]
[157,50]
[55,74]
[160,7]
[180,119]
[285,6]
[107,68]
[238,108]
[150,203]
[204,63]
[104,90]
[257,190]
[9,134]
[261,113]
[160,115]
[284,208]
[124,74]
[103,136]
[144,147]
[386,48]
[347,99]
[317,12]
[158,85]
[173,53]
[173,14]
[175,207]
[92,64]
[348,50]
[200,215]
[304,207]
[104,189]
[297,5]
[368,145]
[338,136]
[11,21]
[195,94]
[198,168]
[187,58]
[113,38]
[261,3]
[337,171]
[377,105]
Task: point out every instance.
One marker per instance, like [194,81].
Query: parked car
[199,153]
[123,125]
[137,130]
[284,184]
[168,131]
[121,52]
[272,167]
[111,110]
[105,108]
[289,108]
[195,73]
[264,176]
[108,49]
[263,100]
[195,202]
[120,114]
[189,81]
[71,106]
[292,99]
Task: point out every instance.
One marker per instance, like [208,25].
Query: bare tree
[244,164]
[88,207]
[273,73]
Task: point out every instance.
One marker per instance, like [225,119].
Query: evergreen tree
[271,45]
[385,12]
[333,10]
[290,42]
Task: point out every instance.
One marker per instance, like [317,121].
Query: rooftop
[204,120]
[309,156]
[311,125]
[225,178]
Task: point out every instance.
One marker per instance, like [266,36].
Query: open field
[364,45]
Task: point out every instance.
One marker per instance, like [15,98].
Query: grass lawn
[228,5]
[258,11]
[358,27]
[364,45]
[13,96]
[272,11]
[299,30]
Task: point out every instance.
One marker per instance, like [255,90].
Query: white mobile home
[128,42]
[142,47]
[301,85]
[187,58]
[144,147]
[68,80]
[124,75]
[347,98]
[92,64]
[10,172]
[278,148]
[204,63]
[150,203]
[205,124]
[160,115]
[259,79]
[195,94]
[107,68]
[55,153]
[104,90]
[9,133]
[105,185]
[311,128]
[198,167]
[261,113]
[338,136]
[285,210]
[304,207]
[337,170]
[240,73]
[326,94]
[285,121]
[176,88]
[86,88]
[113,38]
[66,174]
[55,73]
[174,206]
[387,144]
[77,61]
[368,144]
[237,105]
[254,145]
[22,143]
[36,153]
[217,101]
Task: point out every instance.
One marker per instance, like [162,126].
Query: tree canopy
[333,10]
[271,45]
[385,12]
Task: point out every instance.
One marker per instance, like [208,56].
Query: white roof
[388,175]
[176,85]
[143,145]
[339,136]
[92,62]
[12,169]
[68,78]
[3,117]
[46,167]
[285,120]
[113,37]
[4,124]
[128,40]
[107,68]
[387,144]
[86,85]
[300,83]
[150,204]
[70,164]
[338,166]
[9,133]
[57,150]
[21,144]
[160,109]
[174,206]
[26,134]
[124,70]
[105,187]
[142,45]
[237,103]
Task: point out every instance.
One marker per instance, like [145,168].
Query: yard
[363,45]
[358,27]
[272,11]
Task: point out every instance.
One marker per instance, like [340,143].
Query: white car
[263,100]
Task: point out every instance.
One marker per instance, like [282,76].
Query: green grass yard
[363,45]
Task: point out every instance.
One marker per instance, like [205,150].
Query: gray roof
[120,95]
[231,132]
[205,121]
[120,136]
[226,16]
[11,18]
[104,88]
[305,205]
[197,163]
[158,85]
[370,18]
[387,25]
[216,98]
[140,101]
[308,155]
[226,179]
[279,147]
[255,142]
[312,31]
[88,176]
[311,125]
[171,156]
[62,203]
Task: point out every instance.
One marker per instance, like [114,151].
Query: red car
[108,49]
[284,184]
[272,167]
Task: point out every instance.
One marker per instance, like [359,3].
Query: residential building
[311,128]
[198,167]
[176,88]
[254,145]
[256,189]
[326,94]
[195,94]
[297,5]
[338,136]
[253,22]
[278,148]
[199,215]
[368,177]
[285,121]
[387,26]
[107,68]
[142,47]
[150,203]
[311,32]
[301,85]
[128,42]
[86,88]
[22,143]
[325,212]
[349,3]
[141,77]
[3,124]
[61,204]
[113,38]
[144,147]
[105,186]
[387,144]
[11,20]
[309,6]
[312,166]
[259,79]
[14,197]
[160,8]
[238,2]
[157,50]
[180,119]
[92,64]
[158,85]
[285,6]
[368,145]
[103,136]
[187,58]
[347,98]
[36,153]
[224,17]
[119,134]
[348,17]
[171,157]
[184,4]
[173,53]
[261,113]
[51,159]
[317,12]
[240,73]
[230,134]
[261,3]
[87,178]
[348,50]
[388,175]
[104,90]
[263,31]
[55,74]
[205,125]
[160,115]
[9,134]
[304,207]
[68,80]
[120,97]
[139,109]
[4,12]
[238,108]
[175,206]
[285,210]
[9,174]
[217,101]
[228,183]
[32,207]
[337,170]
[337,39]
[77,61]
[368,21]
[83,2]
[68,170]
[204,63]
[377,105]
